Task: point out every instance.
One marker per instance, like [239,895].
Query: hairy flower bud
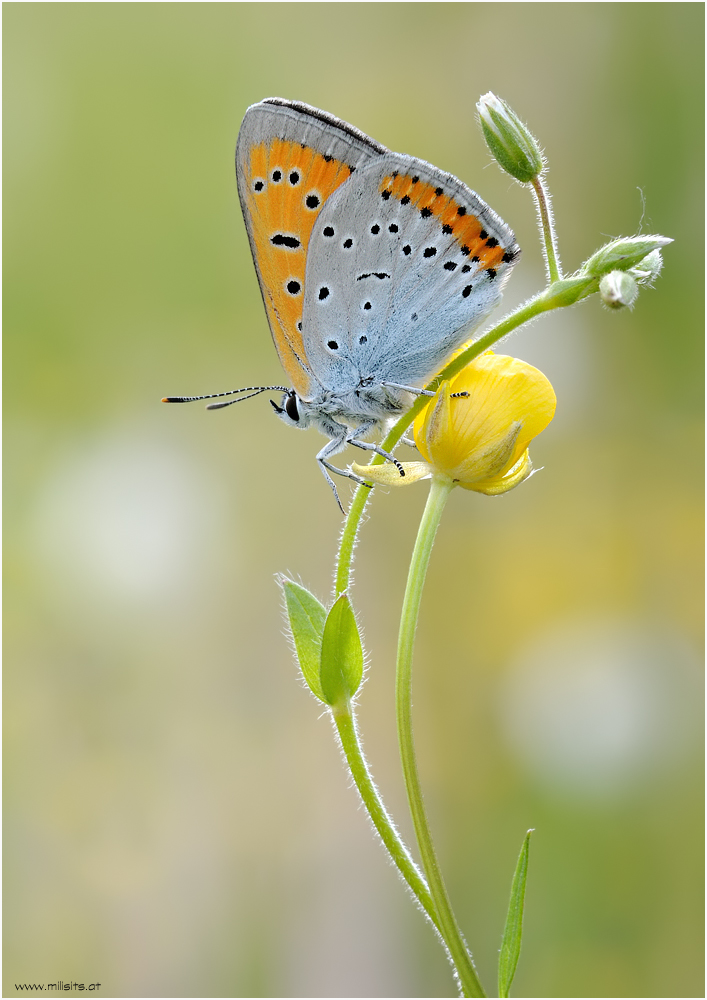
[648,270]
[623,254]
[618,289]
[509,140]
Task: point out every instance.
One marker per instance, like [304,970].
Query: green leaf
[513,931]
[342,654]
[307,617]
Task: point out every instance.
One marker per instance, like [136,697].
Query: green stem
[345,723]
[439,491]
[547,229]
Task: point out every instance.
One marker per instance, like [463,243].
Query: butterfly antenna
[252,390]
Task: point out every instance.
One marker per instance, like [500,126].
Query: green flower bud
[618,289]
[623,254]
[648,270]
[509,140]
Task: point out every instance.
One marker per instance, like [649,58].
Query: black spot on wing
[282,240]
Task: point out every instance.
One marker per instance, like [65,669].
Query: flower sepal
[567,291]
[622,254]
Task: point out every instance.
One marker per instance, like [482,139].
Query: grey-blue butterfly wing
[403,263]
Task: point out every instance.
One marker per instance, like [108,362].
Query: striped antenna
[251,390]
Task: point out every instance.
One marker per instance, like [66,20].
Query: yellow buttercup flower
[478,440]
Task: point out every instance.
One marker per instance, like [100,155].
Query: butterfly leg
[408,388]
[352,438]
[332,447]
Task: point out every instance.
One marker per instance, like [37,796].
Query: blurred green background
[177,819]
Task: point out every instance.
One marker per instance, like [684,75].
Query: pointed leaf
[342,654]
[306,617]
[512,932]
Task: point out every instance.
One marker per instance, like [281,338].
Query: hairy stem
[346,727]
[547,229]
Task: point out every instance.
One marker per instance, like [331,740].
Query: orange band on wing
[473,240]
[287,185]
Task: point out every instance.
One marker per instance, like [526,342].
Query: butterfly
[374,267]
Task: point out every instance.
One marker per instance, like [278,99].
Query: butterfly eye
[291,406]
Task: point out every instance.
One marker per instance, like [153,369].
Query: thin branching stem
[547,229]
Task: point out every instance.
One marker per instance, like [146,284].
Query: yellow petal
[388,474]
[482,435]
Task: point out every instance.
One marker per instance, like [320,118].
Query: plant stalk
[346,727]
[547,229]
[439,491]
